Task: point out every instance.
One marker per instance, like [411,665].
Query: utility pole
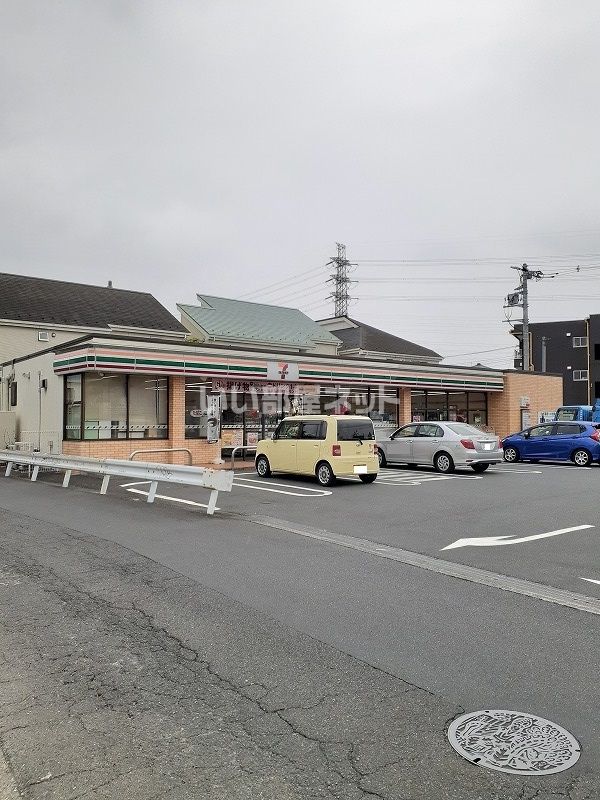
[341,281]
[520,297]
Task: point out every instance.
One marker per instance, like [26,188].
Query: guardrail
[240,447]
[153,473]
[163,450]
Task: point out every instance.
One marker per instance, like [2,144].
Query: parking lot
[510,512]
[509,618]
[536,521]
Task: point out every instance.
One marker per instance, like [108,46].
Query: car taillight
[336,450]
[467,444]
[595,435]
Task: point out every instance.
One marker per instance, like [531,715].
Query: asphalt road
[472,646]
[418,510]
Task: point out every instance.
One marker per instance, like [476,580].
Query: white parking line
[305,491]
[267,486]
[564,466]
[394,478]
[499,470]
[127,487]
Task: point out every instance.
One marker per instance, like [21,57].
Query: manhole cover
[510,741]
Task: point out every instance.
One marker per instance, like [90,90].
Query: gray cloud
[222,147]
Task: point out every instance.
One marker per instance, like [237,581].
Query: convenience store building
[242,368]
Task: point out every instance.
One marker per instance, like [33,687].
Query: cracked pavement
[122,678]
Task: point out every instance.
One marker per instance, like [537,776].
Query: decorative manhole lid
[510,741]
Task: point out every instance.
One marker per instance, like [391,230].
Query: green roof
[223,318]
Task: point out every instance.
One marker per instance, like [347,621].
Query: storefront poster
[213,424]
[233,437]
[263,387]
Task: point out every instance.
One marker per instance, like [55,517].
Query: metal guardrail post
[149,472]
[212,502]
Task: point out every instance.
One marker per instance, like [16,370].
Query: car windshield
[567,414]
[464,430]
[349,430]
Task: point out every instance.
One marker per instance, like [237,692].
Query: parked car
[328,447]
[578,413]
[445,445]
[578,442]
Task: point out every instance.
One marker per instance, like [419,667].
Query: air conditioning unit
[43,336]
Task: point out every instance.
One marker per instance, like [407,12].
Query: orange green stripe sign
[102,359]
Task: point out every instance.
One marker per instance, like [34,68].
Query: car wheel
[325,474]
[368,478]
[479,467]
[381,457]
[263,467]
[511,454]
[582,458]
[443,463]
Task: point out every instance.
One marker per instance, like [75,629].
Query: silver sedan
[445,445]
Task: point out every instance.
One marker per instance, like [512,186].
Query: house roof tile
[40,300]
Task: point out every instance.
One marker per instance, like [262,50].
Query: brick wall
[545,393]
[404,407]
[202,452]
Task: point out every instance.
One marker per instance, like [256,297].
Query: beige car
[327,447]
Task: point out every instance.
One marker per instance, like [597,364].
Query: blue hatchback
[578,442]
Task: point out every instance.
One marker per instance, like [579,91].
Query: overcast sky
[224,147]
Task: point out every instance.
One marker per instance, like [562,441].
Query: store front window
[383,405]
[477,414]
[148,407]
[457,406]
[451,406]
[419,406]
[73,384]
[107,406]
[437,406]
[196,409]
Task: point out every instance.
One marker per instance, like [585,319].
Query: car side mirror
[526,435]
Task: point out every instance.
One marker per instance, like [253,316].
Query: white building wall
[17,341]
[39,412]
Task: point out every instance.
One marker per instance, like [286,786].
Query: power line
[477,261]
[269,288]
[481,352]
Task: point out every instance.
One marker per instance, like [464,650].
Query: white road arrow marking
[590,580]
[496,541]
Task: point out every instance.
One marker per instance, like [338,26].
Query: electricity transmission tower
[520,298]
[340,280]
